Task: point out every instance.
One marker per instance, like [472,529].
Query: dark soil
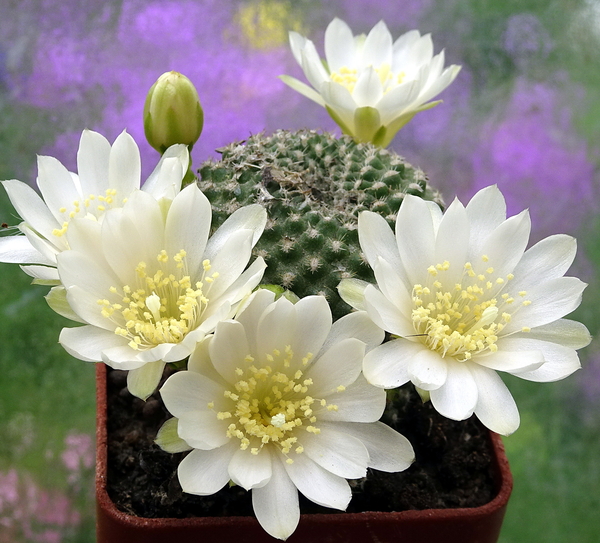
[452,467]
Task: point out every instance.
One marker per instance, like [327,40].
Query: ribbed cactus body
[313,186]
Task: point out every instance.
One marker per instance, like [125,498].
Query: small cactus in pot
[313,186]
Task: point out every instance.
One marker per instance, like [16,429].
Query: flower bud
[172,112]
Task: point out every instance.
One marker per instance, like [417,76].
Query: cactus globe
[172,112]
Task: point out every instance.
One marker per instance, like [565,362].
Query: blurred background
[523,113]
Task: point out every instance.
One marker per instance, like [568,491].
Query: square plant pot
[462,525]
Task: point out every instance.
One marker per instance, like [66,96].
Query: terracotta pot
[474,525]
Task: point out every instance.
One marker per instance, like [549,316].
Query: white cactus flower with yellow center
[149,283]
[370,85]
[464,299]
[107,175]
[275,402]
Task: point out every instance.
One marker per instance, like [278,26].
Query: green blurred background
[523,113]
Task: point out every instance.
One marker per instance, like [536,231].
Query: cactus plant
[313,186]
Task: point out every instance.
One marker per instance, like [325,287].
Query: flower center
[466,318]
[92,207]
[163,306]
[349,76]
[272,404]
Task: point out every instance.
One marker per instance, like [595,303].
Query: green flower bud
[172,112]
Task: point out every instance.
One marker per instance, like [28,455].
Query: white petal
[123,357]
[85,305]
[318,484]
[168,439]
[505,246]
[297,43]
[352,291]
[359,402]
[188,225]
[215,313]
[244,284]
[188,391]
[92,163]
[43,275]
[341,454]
[396,101]
[276,328]
[452,241]
[377,49]
[388,450]
[393,288]
[205,472]
[386,314]
[132,235]
[436,67]
[250,313]
[457,397]
[550,301]
[338,366]
[165,180]
[357,325]
[428,370]
[276,504]
[169,352]
[79,269]
[312,65]
[339,49]
[124,167]
[548,259]
[486,211]
[495,407]
[338,98]
[142,382]
[303,89]
[199,361]
[202,429]
[313,318]
[559,361]
[421,53]
[85,236]
[228,349]
[437,86]
[56,185]
[401,48]
[368,89]
[87,342]
[510,359]
[415,236]
[377,240]
[252,217]
[387,365]
[18,250]
[57,300]
[47,248]
[229,263]
[30,207]
[191,341]
[565,332]
[251,470]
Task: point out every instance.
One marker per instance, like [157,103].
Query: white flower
[150,283]
[275,401]
[106,178]
[370,86]
[466,299]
